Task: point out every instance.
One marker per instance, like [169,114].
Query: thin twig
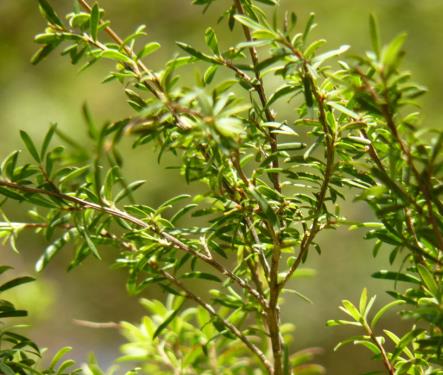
[96,325]
[310,234]
[386,362]
[259,88]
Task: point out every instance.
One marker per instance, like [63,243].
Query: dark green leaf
[193,52]
[94,21]
[396,276]
[30,145]
[49,13]
[47,141]
[375,35]
[211,40]
[16,282]
[168,320]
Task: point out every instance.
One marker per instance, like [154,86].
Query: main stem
[273,310]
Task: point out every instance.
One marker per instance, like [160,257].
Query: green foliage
[271,184]
[18,354]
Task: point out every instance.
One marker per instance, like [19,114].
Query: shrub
[271,185]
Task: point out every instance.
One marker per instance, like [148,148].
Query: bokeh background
[32,97]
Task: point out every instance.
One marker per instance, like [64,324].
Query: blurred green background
[32,97]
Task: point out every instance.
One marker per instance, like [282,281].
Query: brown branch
[113,211]
[273,311]
[386,362]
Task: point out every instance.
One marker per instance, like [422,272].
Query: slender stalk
[273,314]
[310,234]
[386,362]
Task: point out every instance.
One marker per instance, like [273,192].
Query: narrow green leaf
[210,73]
[47,141]
[197,54]
[64,366]
[402,345]
[61,353]
[363,301]
[46,38]
[10,194]
[248,22]
[392,52]
[383,310]
[368,344]
[16,282]
[91,244]
[115,55]
[211,40]
[183,211]
[49,13]
[343,110]
[341,322]
[320,59]
[30,145]
[395,276]
[8,164]
[290,146]
[266,209]
[43,52]
[309,26]
[230,127]
[281,92]
[350,340]
[94,21]
[349,308]
[74,173]
[53,249]
[133,186]
[111,178]
[170,202]
[375,35]
[429,280]
[168,320]
[148,49]
[201,275]
[309,98]
[13,314]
